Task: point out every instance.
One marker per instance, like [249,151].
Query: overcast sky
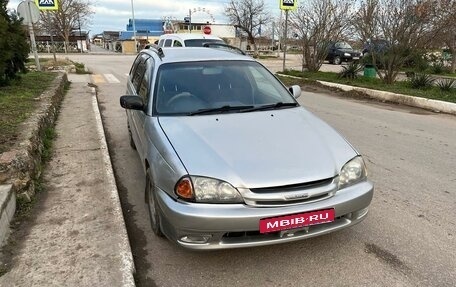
[114,14]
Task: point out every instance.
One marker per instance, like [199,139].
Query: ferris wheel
[201,10]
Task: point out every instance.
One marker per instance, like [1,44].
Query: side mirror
[132,103]
[295,90]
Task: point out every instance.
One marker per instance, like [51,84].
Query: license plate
[355,58]
[296,220]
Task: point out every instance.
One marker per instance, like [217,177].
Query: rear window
[200,42]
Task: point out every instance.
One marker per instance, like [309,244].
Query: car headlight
[207,190]
[347,54]
[352,172]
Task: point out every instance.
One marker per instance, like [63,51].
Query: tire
[337,60]
[152,206]
[132,142]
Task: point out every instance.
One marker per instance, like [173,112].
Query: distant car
[230,157]
[187,40]
[339,52]
[378,46]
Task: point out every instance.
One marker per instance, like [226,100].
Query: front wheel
[337,60]
[153,207]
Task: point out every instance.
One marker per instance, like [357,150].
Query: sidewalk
[77,235]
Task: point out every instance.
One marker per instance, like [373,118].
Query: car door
[144,91]
[136,87]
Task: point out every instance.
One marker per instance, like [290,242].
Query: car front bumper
[220,226]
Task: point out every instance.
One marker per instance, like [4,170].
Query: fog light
[197,239]
[362,212]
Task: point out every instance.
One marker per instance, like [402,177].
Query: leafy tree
[13,45]
[248,16]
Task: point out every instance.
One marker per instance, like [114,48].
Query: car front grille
[291,194]
[293,187]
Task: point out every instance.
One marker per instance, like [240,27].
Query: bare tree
[446,27]
[248,16]
[405,25]
[71,15]
[316,23]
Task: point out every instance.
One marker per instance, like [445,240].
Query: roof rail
[156,49]
[234,49]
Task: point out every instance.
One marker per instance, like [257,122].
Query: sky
[113,15]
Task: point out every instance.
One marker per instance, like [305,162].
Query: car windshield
[198,88]
[343,45]
[200,42]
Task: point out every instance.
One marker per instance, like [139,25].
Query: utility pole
[134,26]
[190,21]
[285,34]
[32,34]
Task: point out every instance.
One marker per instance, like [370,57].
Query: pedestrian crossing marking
[111,79]
[98,79]
[104,78]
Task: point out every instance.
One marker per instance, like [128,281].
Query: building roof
[128,35]
[151,25]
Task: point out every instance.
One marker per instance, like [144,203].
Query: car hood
[258,149]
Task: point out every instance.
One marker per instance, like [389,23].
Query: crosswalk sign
[288,4]
[47,4]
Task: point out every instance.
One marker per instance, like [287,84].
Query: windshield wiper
[222,109]
[271,107]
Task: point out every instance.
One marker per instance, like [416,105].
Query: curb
[128,267]
[428,104]
[7,210]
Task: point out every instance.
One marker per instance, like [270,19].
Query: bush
[351,71]
[446,84]
[437,68]
[421,81]
[14,49]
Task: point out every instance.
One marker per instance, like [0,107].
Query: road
[408,239]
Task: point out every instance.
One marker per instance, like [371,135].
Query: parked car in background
[339,52]
[187,40]
[230,158]
[378,46]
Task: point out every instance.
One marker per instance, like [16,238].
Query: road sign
[47,4]
[23,12]
[288,4]
[207,30]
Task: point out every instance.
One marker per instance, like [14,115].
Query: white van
[187,40]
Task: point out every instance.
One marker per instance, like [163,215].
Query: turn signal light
[184,188]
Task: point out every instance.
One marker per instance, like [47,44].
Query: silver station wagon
[231,159]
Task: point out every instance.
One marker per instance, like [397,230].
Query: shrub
[421,81]
[14,49]
[437,68]
[446,84]
[351,71]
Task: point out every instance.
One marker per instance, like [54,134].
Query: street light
[134,26]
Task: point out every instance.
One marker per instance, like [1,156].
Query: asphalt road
[408,239]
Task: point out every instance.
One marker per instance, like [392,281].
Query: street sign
[47,4]
[288,4]
[32,17]
[207,30]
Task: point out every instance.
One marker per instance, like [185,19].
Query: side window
[139,72]
[177,43]
[168,42]
[135,65]
[144,88]
[160,43]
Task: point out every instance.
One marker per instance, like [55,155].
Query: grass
[400,87]
[17,102]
